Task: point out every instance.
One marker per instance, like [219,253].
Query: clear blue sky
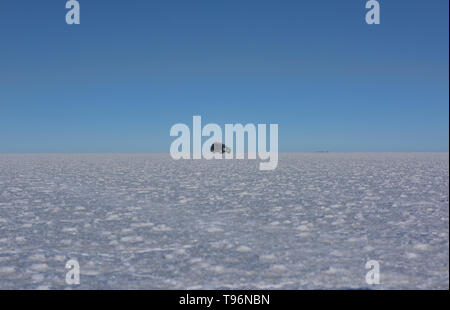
[132,69]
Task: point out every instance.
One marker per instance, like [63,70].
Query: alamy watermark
[73,15]
[372,16]
[73,275]
[373,275]
[181,146]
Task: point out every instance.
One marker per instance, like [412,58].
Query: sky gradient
[132,69]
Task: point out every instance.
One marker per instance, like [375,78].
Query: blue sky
[132,69]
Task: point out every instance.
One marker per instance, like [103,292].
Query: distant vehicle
[218,147]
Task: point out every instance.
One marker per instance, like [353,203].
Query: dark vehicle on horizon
[218,147]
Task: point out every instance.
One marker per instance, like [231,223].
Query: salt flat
[149,222]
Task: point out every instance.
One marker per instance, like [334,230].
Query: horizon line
[168,153]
